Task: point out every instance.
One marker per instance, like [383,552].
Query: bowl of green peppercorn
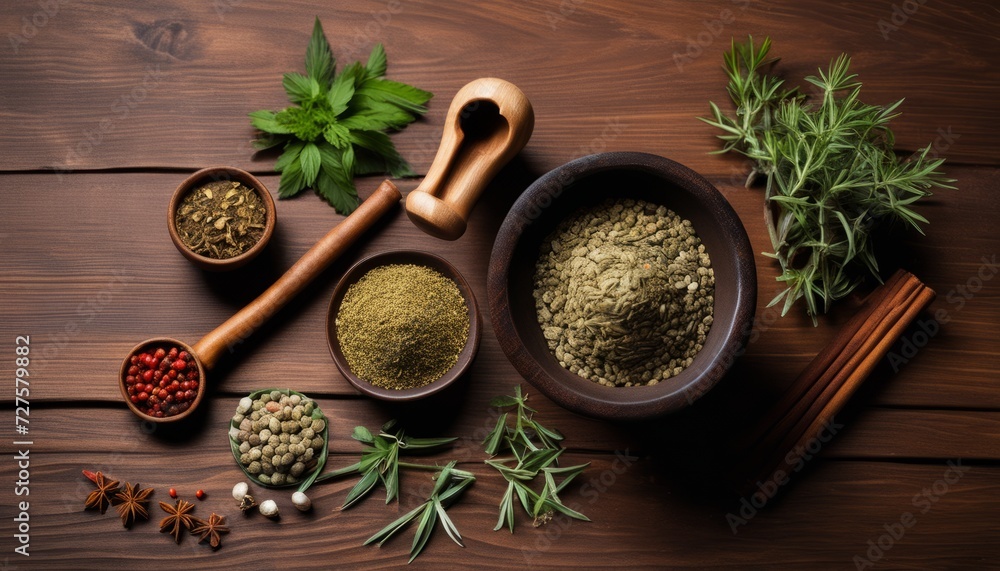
[403,325]
[622,286]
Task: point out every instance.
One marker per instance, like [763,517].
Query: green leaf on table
[320,64]
[309,161]
[350,112]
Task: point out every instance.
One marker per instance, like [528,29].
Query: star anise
[100,498]
[179,518]
[211,530]
[132,503]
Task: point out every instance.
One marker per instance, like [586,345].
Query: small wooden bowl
[588,181]
[212,174]
[404,257]
[160,342]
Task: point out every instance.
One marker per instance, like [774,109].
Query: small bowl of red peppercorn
[161,380]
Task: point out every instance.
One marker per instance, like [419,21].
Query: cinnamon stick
[853,381]
[807,379]
[822,369]
[834,375]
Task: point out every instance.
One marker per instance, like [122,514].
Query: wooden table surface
[106,106]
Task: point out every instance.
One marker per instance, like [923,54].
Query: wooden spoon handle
[239,327]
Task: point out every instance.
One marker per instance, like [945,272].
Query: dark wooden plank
[169,83]
[90,290]
[646,514]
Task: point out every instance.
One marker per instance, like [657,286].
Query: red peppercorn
[162,381]
[200,494]
[172,492]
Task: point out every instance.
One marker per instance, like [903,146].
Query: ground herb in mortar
[624,293]
[221,219]
[402,326]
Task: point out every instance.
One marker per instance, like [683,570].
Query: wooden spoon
[489,121]
[240,326]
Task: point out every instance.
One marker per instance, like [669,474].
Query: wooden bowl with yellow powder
[403,325]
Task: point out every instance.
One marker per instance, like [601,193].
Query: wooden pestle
[311,264]
[489,121]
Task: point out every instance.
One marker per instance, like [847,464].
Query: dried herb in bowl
[402,326]
[624,293]
[221,219]
[279,437]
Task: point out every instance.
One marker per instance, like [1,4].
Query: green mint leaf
[337,135]
[377,62]
[291,155]
[320,64]
[367,162]
[347,160]
[381,114]
[292,181]
[401,95]
[380,143]
[299,88]
[332,132]
[342,196]
[267,141]
[310,161]
[265,121]
[340,94]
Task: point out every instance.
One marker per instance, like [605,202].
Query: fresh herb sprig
[450,483]
[832,176]
[337,127]
[535,450]
[380,461]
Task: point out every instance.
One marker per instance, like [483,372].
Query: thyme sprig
[535,450]
[832,176]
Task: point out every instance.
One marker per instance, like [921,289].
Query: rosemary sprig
[450,483]
[535,450]
[832,176]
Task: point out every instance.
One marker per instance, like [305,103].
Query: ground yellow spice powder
[402,326]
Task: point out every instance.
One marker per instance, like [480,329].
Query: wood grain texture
[626,77]
[133,97]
